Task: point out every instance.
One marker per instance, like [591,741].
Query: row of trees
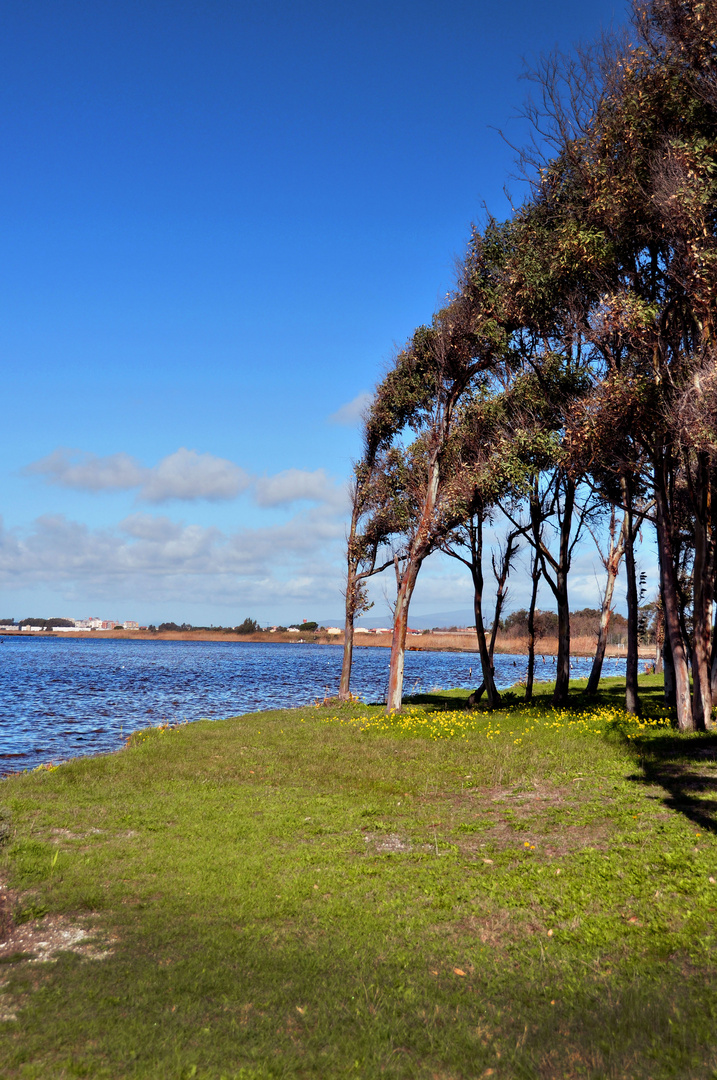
[570,381]
[584,623]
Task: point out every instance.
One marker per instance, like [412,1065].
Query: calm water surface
[60,699]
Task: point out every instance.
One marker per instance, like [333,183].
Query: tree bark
[351,571]
[558,586]
[398,642]
[418,549]
[562,675]
[703,597]
[345,683]
[355,602]
[486,659]
[659,639]
[673,632]
[474,528]
[612,565]
[670,692]
[501,576]
[632,695]
[535,574]
[714,662]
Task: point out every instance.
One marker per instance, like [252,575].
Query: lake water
[60,698]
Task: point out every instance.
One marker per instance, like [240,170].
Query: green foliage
[249,626]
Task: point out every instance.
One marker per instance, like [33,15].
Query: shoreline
[450,641]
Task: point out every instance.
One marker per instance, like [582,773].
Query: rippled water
[60,699]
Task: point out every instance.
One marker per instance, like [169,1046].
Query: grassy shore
[332,893]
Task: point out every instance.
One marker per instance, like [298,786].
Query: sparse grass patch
[329,892]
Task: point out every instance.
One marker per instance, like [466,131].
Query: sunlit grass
[516,720]
[334,892]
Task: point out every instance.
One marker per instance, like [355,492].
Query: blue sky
[219,220]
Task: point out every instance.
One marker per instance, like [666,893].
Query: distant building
[129,625]
[333,630]
[360,630]
[293,630]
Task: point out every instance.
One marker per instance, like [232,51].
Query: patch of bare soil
[551,842]
[58,835]
[391,843]
[40,940]
[491,928]
[515,818]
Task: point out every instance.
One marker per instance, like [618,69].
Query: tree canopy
[572,374]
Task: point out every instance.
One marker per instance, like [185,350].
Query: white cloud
[151,558]
[150,527]
[185,474]
[88,472]
[352,412]
[294,485]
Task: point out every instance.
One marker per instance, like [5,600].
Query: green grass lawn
[329,893]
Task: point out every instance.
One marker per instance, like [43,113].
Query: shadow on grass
[680,765]
[440,699]
[611,693]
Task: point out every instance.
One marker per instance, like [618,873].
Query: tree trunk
[535,574]
[562,672]
[398,641]
[501,576]
[714,662]
[486,660]
[659,638]
[703,597]
[350,597]
[562,675]
[702,622]
[673,631]
[670,692]
[632,696]
[417,551]
[614,555]
[345,683]
[558,586]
